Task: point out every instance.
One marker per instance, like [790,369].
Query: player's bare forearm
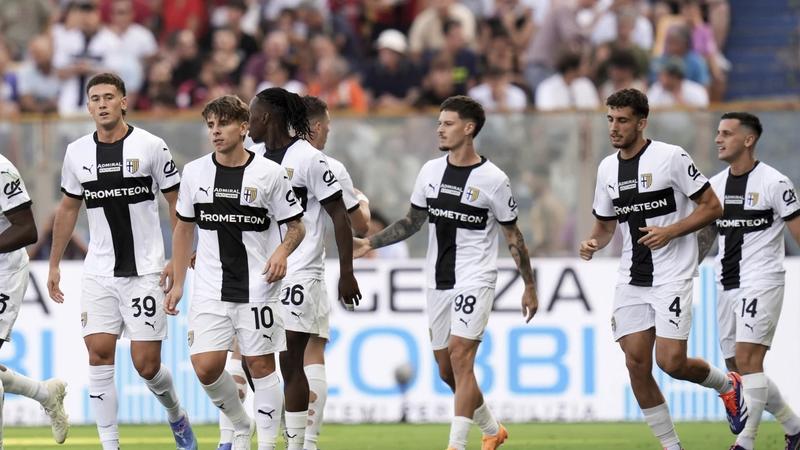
[63,226]
[343,233]
[705,241]
[400,230]
[602,232]
[707,211]
[295,232]
[519,251]
[794,228]
[359,219]
[182,238]
[172,201]
[21,233]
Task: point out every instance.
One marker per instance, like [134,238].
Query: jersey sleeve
[686,177]
[164,169]
[321,181]
[603,206]
[503,204]
[418,198]
[784,199]
[70,184]
[184,207]
[14,197]
[282,203]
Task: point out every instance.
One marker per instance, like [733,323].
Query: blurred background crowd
[364,55]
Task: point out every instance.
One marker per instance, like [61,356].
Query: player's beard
[627,143]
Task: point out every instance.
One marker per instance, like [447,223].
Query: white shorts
[667,307]
[460,312]
[305,306]
[133,306]
[12,290]
[257,326]
[748,315]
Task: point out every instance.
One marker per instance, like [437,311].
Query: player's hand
[588,247]
[530,303]
[192,260]
[275,269]
[361,247]
[349,294]
[171,300]
[655,237]
[167,275]
[53,280]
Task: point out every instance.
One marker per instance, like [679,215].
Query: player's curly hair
[226,108]
[467,109]
[288,109]
[632,98]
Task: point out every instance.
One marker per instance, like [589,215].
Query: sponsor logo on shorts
[84,319]
[191,337]
[613,324]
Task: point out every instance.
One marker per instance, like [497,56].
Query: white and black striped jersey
[654,188]
[346,182]
[13,198]
[314,184]
[464,205]
[756,206]
[118,181]
[238,211]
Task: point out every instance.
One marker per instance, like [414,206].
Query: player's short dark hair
[748,120]
[107,78]
[632,98]
[467,109]
[288,109]
[227,108]
[315,106]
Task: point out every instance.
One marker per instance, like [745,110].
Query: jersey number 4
[675,306]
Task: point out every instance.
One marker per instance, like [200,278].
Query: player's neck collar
[636,156]
[483,160]
[731,174]
[128,133]
[250,156]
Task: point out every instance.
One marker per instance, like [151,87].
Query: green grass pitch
[534,436]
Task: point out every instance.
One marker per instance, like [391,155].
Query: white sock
[15,383]
[459,432]
[317,397]
[660,422]
[295,429]
[783,412]
[755,397]
[717,380]
[485,420]
[234,367]
[2,400]
[268,404]
[224,396]
[103,401]
[161,385]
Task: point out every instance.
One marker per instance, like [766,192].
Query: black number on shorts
[676,306]
[148,304]
[261,316]
[466,304]
[3,301]
[293,294]
[751,308]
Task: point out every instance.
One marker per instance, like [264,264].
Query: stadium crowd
[363,56]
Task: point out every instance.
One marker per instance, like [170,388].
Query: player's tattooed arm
[295,232]
[519,251]
[705,241]
[400,230]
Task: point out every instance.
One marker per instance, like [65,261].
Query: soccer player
[18,229]
[305,309]
[464,197]
[116,171]
[357,205]
[649,186]
[237,200]
[759,202]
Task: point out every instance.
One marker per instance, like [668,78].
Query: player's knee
[747,363]
[638,366]
[258,367]
[148,369]
[100,357]
[672,364]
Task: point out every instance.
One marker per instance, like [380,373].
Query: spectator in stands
[427,30]
[231,16]
[498,94]
[226,54]
[343,36]
[186,57]
[391,81]
[336,88]
[678,44]
[464,58]
[621,72]
[82,52]
[704,44]
[606,28]
[674,89]
[159,94]
[516,18]
[39,84]
[440,83]
[177,15]
[210,83]
[278,73]
[138,44]
[9,96]
[559,32]
[21,20]
[275,47]
[567,89]
[626,21]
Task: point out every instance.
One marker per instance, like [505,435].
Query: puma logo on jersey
[220,406]
[752,330]
[296,314]
[465,322]
[151,325]
[88,169]
[268,337]
[269,414]
[610,186]
[432,186]
[677,324]
[205,190]
[98,396]
[291,436]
